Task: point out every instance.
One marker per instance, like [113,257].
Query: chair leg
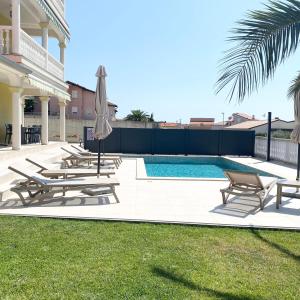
[261,201]
[19,193]
[224,197]
[115,195]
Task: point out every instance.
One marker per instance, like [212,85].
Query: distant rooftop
[252,124]
[169,125]
[244,115]
[201,120]
[221,123]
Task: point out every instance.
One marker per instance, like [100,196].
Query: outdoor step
[48,154]
[8,154]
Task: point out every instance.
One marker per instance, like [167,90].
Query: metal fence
[174,141]
[281,149]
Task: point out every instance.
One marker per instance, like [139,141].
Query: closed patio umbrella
[295,136]
[102,126]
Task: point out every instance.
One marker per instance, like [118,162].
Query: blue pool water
[196,167]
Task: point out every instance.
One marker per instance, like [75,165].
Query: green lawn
[68,259]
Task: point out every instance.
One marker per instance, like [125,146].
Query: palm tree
[137,115]
[294,89]
[262,41]
[294,92]
[151,118]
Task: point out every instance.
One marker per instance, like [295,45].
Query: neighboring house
[81,106]
[261,126]
[237,118]
[26,67]
[198,123]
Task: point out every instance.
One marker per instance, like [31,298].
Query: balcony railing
[31,50]
[5,37]
[55,67]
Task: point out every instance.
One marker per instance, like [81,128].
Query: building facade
[81,106]
[27,68]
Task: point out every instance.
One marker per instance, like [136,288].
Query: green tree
[140,116]
[29,105]
[261,42]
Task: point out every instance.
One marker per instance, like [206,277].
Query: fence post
[120,131]
[220,136]
[152,140]
[185,141]
[298,163]
[269,136]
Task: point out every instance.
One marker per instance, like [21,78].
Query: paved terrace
[169,201]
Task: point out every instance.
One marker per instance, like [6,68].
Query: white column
[62,46]
[44,106]
[16,26]
[16,117]
[45,34]
[22,110]
[62,120]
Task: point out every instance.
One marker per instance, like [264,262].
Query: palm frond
[261,42]
[294,89]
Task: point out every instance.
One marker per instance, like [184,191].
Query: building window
[74,94]
[74,110]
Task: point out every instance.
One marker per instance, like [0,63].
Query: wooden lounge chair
[39,187]
[248,184]
[75,158]
[83,151]
[47,171]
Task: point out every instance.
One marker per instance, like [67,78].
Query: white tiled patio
[169,201]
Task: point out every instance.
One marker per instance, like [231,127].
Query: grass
[69,259]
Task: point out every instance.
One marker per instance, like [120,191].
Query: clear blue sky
[161,56]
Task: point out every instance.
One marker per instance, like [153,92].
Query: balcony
[58,6]
[31,51]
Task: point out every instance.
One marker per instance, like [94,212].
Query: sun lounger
[248,184]
[83,151]
[39,187]
[75,158]
[47,171]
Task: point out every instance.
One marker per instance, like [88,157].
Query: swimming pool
[193,167]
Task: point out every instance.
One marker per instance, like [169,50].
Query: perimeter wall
[174,141]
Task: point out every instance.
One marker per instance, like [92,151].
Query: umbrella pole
[98,165]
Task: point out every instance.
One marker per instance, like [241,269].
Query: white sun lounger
[248,184]
[39,187]
[75,158]
[83,151]
[47,171]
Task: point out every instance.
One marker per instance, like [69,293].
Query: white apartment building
[26,67]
